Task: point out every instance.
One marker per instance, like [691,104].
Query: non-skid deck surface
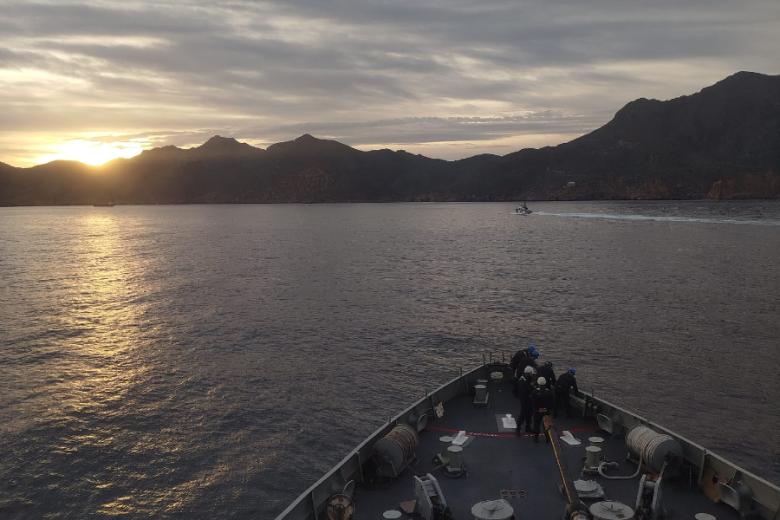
[524,471]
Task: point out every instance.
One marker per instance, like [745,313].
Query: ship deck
[502,464]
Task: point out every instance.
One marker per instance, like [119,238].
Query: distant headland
[720,143]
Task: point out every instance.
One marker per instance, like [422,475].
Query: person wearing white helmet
[523,389]
[523,370]
[542,401]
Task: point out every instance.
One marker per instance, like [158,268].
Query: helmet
[541,381]
[534,354]
[572,371]
[529,370]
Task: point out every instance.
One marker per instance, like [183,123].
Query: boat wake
[663,218]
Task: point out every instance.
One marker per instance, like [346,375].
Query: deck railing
[309,505]
[765,495]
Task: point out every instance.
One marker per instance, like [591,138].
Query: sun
[92,152]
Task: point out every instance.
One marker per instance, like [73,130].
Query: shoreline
[302,203]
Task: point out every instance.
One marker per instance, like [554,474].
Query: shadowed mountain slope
[722,142]
[729,133]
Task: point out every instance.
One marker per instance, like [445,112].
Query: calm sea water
[213,361]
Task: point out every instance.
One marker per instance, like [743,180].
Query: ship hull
[501,464]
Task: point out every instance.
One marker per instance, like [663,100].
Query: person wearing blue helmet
[523,358]
[563,389]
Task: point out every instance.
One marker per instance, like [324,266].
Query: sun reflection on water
[107,368]
[187,361]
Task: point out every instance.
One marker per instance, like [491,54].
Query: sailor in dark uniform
[546,371]
[566,383]
[520,357]
[526,359]
[543,401]
[524,389]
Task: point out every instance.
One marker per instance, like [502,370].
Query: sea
[213,361]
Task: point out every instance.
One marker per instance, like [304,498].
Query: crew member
[543,401]
[524,390]
[546,371]
[527,371]
[563,389]
[522,359]
[530,360]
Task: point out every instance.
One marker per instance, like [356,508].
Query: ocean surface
[214,361]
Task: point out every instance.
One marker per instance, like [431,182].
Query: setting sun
[94,153]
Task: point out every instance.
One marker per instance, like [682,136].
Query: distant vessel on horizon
[523,209]
[103,205]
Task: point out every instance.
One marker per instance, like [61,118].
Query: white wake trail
[661,218]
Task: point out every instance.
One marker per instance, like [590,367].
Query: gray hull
[502,464]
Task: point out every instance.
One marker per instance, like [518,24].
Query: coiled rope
[406,438]
[644,442]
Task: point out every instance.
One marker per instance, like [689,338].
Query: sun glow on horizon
[94,153]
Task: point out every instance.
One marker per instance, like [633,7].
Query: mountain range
[722,142]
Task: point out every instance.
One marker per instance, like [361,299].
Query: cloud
[368,72]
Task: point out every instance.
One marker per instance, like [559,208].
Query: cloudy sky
[95,79]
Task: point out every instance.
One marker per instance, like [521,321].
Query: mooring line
[587,429]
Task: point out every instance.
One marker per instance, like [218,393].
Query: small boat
[456,454]
[523,210]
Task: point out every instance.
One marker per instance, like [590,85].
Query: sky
[98,79]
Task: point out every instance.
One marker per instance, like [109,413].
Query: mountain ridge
[720,142]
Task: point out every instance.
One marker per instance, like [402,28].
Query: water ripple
[213,361]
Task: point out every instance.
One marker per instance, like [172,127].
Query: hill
[725,137]
[722,142]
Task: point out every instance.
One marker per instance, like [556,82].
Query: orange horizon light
[94,153]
